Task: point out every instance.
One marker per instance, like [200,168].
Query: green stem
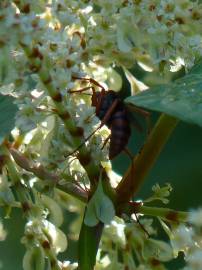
[13,204]
[143,162]
[43,174]
[164,213]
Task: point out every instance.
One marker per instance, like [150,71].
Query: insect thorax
[106,102]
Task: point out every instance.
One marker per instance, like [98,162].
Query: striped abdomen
[120,132]
[118,122]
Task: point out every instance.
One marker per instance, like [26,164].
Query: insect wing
[132,111]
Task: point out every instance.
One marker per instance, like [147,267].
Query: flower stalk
[143,162]
[51,179]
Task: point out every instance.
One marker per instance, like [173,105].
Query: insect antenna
[82,144]
[90,80]
[105,141]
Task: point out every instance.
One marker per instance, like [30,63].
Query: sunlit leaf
[181,98]
[7,115]
[99,208]
[90,218]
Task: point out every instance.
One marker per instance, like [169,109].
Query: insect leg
[109,112]
[147,117]
[90,80]
[105,142]
[80,90]
[144,113]
[139,110]
[96,102]
[127,151]
[149,125]
[141,226]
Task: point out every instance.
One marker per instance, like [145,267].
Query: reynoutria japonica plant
[62,65]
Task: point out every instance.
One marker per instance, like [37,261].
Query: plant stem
[164,213]
[43,174]
[144,161]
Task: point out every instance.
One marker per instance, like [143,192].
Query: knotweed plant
[47,51]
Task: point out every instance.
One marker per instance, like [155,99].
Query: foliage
[48,51]
[181,98]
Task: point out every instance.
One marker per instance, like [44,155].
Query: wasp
[113,113]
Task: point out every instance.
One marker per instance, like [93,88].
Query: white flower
[195,259]
[40,229]
[157,249]
[182,239]
[115,231]
[195,217]
[67,265]
[160,193]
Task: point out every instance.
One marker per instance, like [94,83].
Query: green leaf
[7,115]
[197,69]
[99,208]
[90,217]
[181,98]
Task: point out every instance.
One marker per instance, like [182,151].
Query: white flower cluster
[128,247]
[164,30]
[57,33]
[188,239]
[87,37]
[71,39]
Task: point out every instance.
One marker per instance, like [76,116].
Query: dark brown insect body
[117,121]
[113,113]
